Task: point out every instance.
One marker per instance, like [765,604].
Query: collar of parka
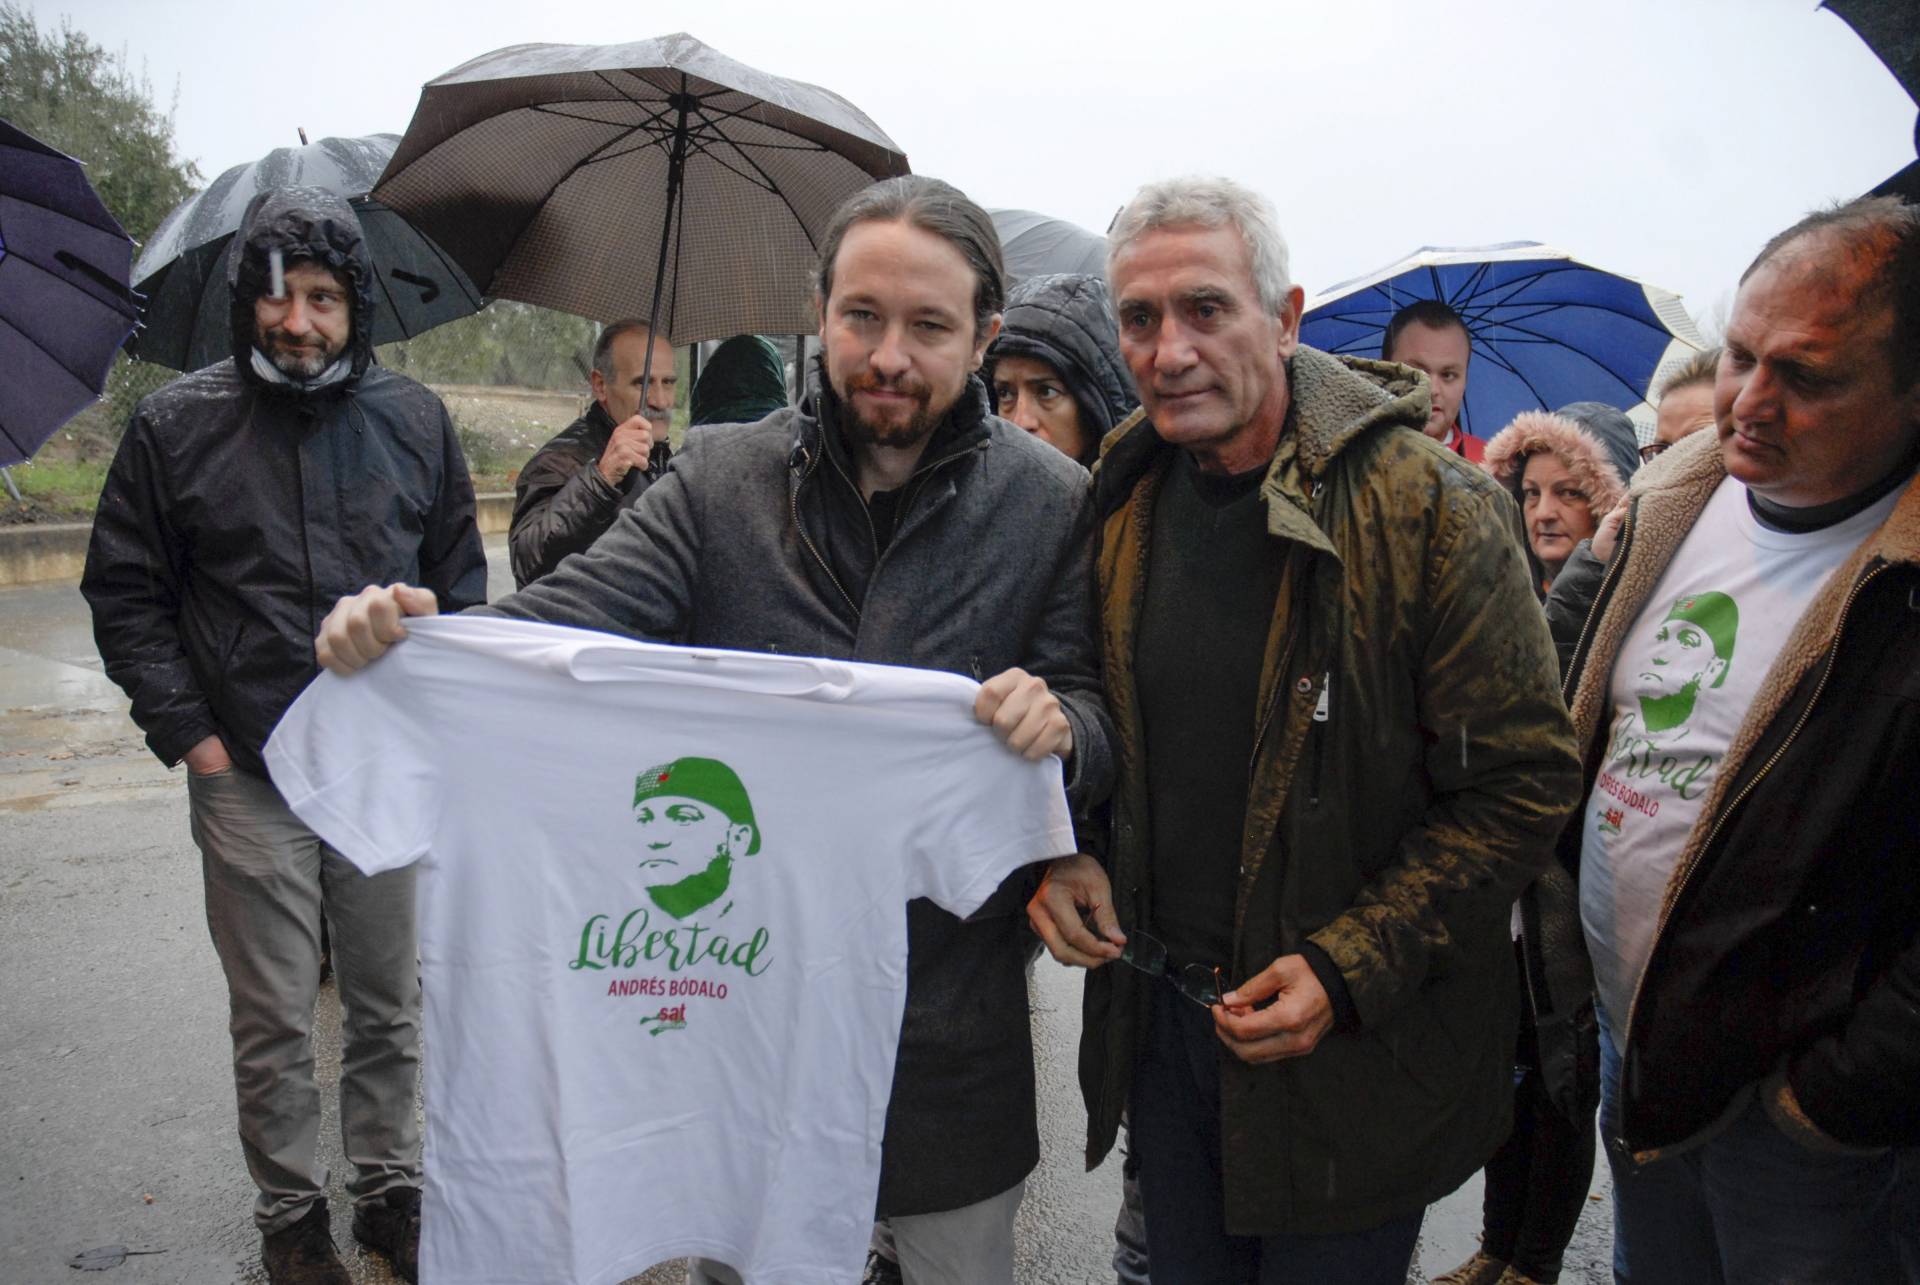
[1332,402]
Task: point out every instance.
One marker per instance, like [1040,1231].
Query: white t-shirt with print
[1687,671]
[663,934]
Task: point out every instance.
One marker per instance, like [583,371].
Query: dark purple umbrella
[64,304]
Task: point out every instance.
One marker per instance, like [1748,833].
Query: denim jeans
[1175,1130]
[1749,1205]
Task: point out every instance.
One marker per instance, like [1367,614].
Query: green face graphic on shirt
[694,819]
[1692,649]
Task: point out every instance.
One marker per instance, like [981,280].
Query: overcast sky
[1661,138]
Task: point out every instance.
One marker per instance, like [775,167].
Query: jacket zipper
[1266,721]
[793,504]
[916,481]
[1686,877]
[873,536]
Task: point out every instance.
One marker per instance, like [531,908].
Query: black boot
[302,1253]
[389,1225]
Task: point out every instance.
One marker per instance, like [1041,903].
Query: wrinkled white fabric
[621,1067]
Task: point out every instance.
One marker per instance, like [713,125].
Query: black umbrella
[182,270]
[658,179]
[1891,29]
[64,306]
[1037,245]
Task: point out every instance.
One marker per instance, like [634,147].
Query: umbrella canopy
[1889,29]
[1038,245]
[64,306]
[659,179]
[182,270]
[1546,329]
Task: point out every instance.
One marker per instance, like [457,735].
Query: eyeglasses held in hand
[1196,982]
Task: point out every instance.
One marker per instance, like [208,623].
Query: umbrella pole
[12,490]
[676,169]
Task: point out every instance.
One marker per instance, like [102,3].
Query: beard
[301,359]
[919,423]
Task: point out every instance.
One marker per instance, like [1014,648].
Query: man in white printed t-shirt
[1747,688]
[889,518]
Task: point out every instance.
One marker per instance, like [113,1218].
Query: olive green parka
[1412,766]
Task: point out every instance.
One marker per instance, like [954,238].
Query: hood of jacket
[1615,432]
[744,382]
[1587,457]
[1066,319]
[302,223]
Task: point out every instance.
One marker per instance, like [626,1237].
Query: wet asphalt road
[116,1100]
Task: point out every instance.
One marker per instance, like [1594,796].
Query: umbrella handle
[676,170]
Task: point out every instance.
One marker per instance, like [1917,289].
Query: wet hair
[1431,313]
[932,206]
[603,346]
[1878,237]
[1210,203]
[1699,369]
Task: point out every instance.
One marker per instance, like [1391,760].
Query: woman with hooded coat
[1567,471]
[1055,369]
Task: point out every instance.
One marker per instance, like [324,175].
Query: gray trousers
[269,879]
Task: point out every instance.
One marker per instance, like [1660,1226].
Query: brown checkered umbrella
[658,179]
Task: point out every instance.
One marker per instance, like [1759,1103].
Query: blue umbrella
[1546,329]
[64,304]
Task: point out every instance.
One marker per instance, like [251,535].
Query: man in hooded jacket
[244,499]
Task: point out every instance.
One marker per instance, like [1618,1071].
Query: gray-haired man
[1342,754]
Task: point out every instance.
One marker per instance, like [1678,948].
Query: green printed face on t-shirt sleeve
[694,817]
